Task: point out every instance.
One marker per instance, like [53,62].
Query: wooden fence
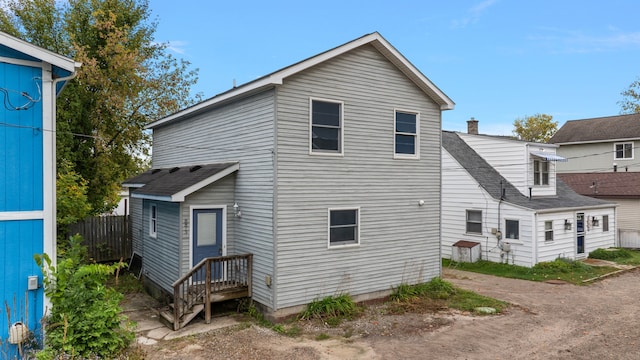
[107,238]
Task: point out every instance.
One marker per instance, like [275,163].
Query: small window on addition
[595,221]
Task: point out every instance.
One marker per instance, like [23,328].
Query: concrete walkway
[143,310]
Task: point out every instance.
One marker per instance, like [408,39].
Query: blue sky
[497,59]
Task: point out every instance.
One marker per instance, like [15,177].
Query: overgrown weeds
[614,254]
[332,309]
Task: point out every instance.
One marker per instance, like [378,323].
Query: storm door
[207,237]
[580,233]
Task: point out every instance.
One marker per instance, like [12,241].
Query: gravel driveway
[546,321]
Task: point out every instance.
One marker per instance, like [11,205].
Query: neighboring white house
[327,171]
[503,194]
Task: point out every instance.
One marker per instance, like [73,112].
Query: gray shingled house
[603,165]
[503,195]
[327,172]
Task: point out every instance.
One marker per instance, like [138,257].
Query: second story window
[540,172]
[623,151]
[406,135]
[326,127]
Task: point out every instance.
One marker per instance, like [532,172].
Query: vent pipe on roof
[472,126]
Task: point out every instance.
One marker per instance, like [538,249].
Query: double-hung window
[623,151]
[153,220]
[327,129]
[407,142]
[540,172]
[344,226]
[548,231]
[474,222]
[512,229]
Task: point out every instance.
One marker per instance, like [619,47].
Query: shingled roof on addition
[173,184]
[604,185]
[608,128]
[493,183]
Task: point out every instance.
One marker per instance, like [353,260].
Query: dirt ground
[545,321]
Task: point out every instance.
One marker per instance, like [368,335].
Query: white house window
[512,228]
[623,151]
[474,222]
[548,231]
[406,134]
[344,227]
[605,222]
[153,221]
[540,172]
[326,127]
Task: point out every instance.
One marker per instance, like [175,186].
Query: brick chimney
[472,126]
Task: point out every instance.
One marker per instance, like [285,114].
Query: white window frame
[506,233]
[416,155]
[546,231]
[340,151]
[615,150]
[538,176]
[153,220]
[466,222]
[358,228]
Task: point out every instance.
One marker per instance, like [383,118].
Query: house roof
[494,183]
[277,77]
[38,53]
[604,185]
[173,184]
[608,128]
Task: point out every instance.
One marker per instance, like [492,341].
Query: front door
[207,235]
[580,233]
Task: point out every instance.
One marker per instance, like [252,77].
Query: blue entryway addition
[31,77]
[207,239]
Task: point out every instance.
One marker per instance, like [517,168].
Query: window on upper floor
[153,221]
[540,172]
[344,227]
[512,229]
[407,142]
[548,231]
[623,151]
[326,131]
[474,222]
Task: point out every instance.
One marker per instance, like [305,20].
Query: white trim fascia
[577,208]
[151,197]
[28,63]
[21,215]
[50,57]
[133,185]
[224,228]
[179,196]
[277,78]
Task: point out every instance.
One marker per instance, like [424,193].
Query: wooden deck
[213,280]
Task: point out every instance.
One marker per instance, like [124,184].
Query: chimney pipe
[472,126]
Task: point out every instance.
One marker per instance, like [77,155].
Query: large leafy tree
[630,103]
[536,128]
[126,81]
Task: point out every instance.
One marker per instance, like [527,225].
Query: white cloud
[566,41]
[474,14]
[177,46]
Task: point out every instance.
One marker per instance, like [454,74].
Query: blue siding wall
[20,140]
[19,244]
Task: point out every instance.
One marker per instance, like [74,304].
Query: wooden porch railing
[212,280]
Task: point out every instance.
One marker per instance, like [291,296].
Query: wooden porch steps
[166,317]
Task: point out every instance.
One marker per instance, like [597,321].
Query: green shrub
[612,254]
[434,289]
[85,318]
[561,265]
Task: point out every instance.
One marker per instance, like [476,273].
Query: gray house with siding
[327,171]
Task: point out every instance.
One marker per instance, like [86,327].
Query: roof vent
[155,171]
[195,168]
[174,170]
